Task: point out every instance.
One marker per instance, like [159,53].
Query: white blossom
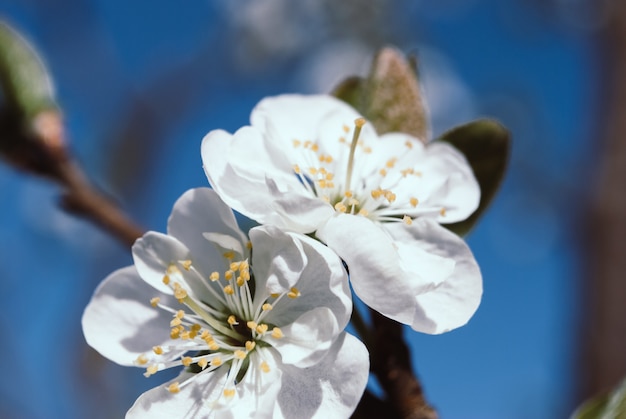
[311,164]
[257,326]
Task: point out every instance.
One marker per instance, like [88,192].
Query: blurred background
[141,82]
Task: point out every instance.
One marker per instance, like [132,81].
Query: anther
[154,301]
[152,369]
[296,169]
[239,354]
[229,393]
[407,220]
[443,212]
[166,279]
[266,307]
[202,363]
[251,325]
[228,289]
[141,360]
[229,255]
[186,360]
[293,293]
[179,292]
[232,320]
[265,367]
[157,350]
[216,362]
[340,206]
[173,388]
[186,264]
[214,276]
[277,333]
[413,201]
[250,345]
[261,329]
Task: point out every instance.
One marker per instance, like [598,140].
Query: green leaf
[606,406]
[390,97]
[487,145]
[26,85]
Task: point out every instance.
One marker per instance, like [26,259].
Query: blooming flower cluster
[310,164]
[256,320]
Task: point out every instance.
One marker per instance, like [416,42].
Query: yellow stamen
[229,393]
[216,362]
[232,320]
[407,220]
[296,169]
[229,255]
[166,279]
[251,325]
[413,202]
[261,329]
[186,360]
[266,307]
[186,264]
[250,345]
[141,360]
[277,333]
[443,212]
[152,369]
[203,363]
[157,350]
[155,301]
[228,289]
[340,207]
[293,293]
[239,354]
[173,388]
[265,367]
[179,292]
[214,276]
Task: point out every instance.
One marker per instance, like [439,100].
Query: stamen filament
[215,324]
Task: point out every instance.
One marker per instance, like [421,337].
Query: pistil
[358,124]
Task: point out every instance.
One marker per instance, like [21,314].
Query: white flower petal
[330,389]
[297,116]
[373,263]
[299,211]
[277,260]
[458,191]
[155,252]
[200,211]
[289,259]
[193,400]
[120,323]
[453,301]
[251,188]
[307,339]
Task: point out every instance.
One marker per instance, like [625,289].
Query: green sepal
[605,406]
[390,97]
[26,84]
[486,145]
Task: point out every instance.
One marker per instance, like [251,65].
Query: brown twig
[40,148]
[391,362]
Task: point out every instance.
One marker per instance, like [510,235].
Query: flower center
[371,194]
[219,323]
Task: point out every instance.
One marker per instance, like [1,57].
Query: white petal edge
[453,302]
[120,323]
[330,389]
